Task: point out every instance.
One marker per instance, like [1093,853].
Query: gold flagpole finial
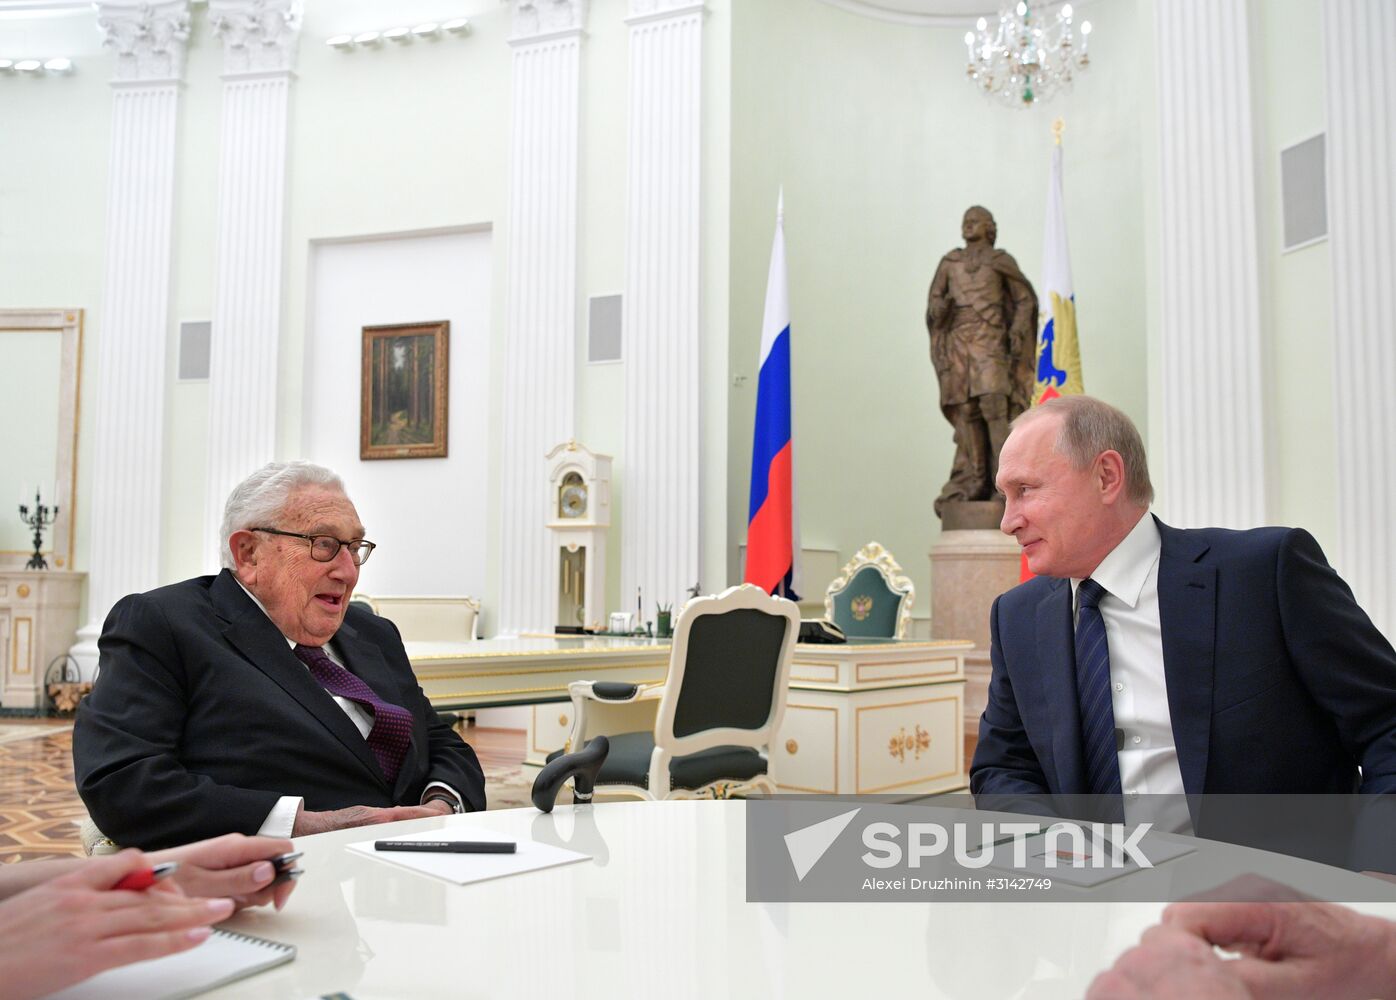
[1058,127]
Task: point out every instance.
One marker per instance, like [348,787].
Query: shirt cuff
[282,818]
[439,790]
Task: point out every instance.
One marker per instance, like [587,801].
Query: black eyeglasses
[323,548]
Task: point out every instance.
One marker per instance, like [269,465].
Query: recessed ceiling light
[456,24]
[398,34]
[7,64]
[27,65]
[367,38]
[340,41]
[59,64]
[426,30]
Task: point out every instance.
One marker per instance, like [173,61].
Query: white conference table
[660,911]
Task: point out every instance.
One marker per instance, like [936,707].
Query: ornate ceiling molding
[258,35]
[148,38]
[535,20]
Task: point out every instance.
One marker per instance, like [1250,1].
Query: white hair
[259,499]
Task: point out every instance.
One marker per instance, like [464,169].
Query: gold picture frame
[403,398]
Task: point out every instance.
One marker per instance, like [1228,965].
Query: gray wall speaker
[193,350]
[1304,189]
[603,328]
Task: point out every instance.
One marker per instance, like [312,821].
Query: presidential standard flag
[1058,353]
[773,524]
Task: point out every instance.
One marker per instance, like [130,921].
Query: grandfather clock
[579,517]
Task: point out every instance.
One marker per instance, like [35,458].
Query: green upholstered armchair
[871,597]
[718,709]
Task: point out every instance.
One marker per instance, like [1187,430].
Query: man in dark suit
[258,700]
[1147,659]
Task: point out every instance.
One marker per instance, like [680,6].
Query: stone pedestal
[38,616]
[969,568]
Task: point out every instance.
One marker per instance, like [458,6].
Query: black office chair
[718,709]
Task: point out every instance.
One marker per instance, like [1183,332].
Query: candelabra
[40,519]
[1030,55]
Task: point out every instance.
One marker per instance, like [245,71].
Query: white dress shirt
[1129,607]
[282,818]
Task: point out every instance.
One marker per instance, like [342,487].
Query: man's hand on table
[343,819]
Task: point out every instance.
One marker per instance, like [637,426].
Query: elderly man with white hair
[258,700]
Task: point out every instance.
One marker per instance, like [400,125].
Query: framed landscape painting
[402,409]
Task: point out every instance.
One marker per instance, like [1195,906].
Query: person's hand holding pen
[75,925]
[235,866]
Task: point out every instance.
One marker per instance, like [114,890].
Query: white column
[259,48]
[541,301]
[133,328]
[1214,469]
[661,313]
[1361,104]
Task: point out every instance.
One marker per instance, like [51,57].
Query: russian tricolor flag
[773,527]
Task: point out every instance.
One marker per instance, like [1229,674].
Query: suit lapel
[252,633]
[1056,653]
[365,660]
[1187,605]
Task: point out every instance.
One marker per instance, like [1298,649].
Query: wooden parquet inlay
[39,807]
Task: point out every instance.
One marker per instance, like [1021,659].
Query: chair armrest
[603,694]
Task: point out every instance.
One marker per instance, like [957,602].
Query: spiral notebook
[224,958]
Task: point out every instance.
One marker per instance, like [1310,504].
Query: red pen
[142,880]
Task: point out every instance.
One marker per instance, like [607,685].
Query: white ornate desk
[661,911]
[871,716]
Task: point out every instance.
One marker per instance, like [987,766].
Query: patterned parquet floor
[40,810]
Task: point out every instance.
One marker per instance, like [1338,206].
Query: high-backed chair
[718,709]
[871,597]
[429,619]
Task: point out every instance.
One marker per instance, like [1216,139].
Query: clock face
[573,501]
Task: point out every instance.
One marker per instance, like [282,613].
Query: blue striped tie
[1093,690]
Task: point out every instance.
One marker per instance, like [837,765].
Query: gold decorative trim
[460,695]
[833,669]
[918,741]
[874,555]
[858,744]
[819,791]
[954,672]
[458,676]
[15,660]
[638,652]
[22,590]
[792,747]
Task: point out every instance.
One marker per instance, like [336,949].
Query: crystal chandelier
[1030,55]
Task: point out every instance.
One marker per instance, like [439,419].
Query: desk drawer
[909,742]
[805,753]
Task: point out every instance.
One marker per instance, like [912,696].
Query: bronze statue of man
[982,317]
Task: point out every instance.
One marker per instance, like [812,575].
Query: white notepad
[224,958]
[463,869]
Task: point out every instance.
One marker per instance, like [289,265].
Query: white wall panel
[1213,464]
[427,515]
[541,304]
[259,43]
[127,446]
[662,319]
[1361,104]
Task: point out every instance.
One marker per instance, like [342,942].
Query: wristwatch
[450,800]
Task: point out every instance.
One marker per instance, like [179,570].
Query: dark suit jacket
[1277,681]
[202,717]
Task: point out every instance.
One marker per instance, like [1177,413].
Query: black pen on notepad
[447,846]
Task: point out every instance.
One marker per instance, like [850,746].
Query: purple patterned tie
[392,726]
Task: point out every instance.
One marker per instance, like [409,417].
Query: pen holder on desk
[582,767]
[664,624]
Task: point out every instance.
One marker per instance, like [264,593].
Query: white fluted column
[662,306]
[1361,104]
[259,48]
[126,523]
[1214,469]
[541,301]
